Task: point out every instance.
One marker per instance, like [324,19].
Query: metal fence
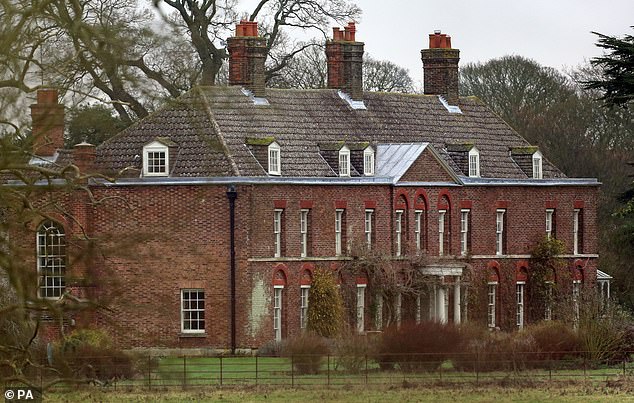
[156,372]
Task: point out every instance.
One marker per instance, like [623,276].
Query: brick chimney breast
[247,54]
[48,123]
[344,56]
[440,68]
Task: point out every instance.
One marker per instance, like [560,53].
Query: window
[398,227]
[378,320]
[550,230]
[419,230]
[277,312]
[499,232]
[275,159]
[303,305]
[576,231]
[464,232]
[339,225]
[277,230]
[368,161]
[303,229]
[441,232]
[192,311]
[361,307]
[519,291]
[492,298]
[474,163]
[51,260]
[537,165]
[368,228]
[548,314]
[155,159]
[344,161]
[576,294]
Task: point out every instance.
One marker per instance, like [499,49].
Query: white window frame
[538,165]
[277,231]
[278,294]
[474,163]
[361,307]
[520,292]
[575,231]
[51,260]
[369,215]
[441,232]
[464,231]
[576,295]
[368,161]
[339,231]
[550,213]
[499,231]
[275,159]
[418,229]
[491,303]
[304,291]
[155,147]
[303,231]
[398,229]
[193,310]
[344,161]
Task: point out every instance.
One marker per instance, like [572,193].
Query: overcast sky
[555,33]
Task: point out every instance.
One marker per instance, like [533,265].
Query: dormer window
[275,161]
[155,159]
[344,161]
[368,161]
[474,163]
[537,165]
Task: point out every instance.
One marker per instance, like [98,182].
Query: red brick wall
[427,168]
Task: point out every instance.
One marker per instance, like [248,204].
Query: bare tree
[385,76]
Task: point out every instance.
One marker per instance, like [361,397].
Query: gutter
[232,195]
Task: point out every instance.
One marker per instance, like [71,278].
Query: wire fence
[158,372]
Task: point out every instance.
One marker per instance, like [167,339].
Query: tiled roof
[212,124]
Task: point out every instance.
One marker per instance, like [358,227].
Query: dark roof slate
[212,124]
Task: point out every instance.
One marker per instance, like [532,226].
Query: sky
[555,33]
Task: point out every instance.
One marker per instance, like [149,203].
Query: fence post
[184,372]
[149,371]
[292,371]
[256,370]
[221,370]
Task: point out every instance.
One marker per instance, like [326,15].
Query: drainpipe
[232,195]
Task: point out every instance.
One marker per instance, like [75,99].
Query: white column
[456,300]
[441,314]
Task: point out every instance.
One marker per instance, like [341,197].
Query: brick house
[241,191]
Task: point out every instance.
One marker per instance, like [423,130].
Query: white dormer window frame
[368,161]
[474,163]
[344,161]
[155,159]
[275,159]
[537,165]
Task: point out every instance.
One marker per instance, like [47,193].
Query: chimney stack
[48,123]
[247,53]
[345,62]
[440,67]
[84,157]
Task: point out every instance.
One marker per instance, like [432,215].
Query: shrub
[306,351]
[272,348]
[554,340]
[418,346]
[352,351]
[325,309]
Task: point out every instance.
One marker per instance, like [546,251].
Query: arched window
[537,165]
[368,161]
[344,161]
[51,260]
[474,163]
[275,159]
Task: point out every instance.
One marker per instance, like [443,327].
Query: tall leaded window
[275,159]
[303,229]
[548,305]
[277,231]
[361,307]
[303,305]
[464,232]
[576,231]
[474,163]
[441,232]
[368,161]
[369,214]
[550,223]
[537,165]
[419,229]
[192,311]
[51,260]
[155,159]
[499,232]
[344,161]
[576,296]
[519,292]
[339,226]
[398,228]
[491,302]
[277,312]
